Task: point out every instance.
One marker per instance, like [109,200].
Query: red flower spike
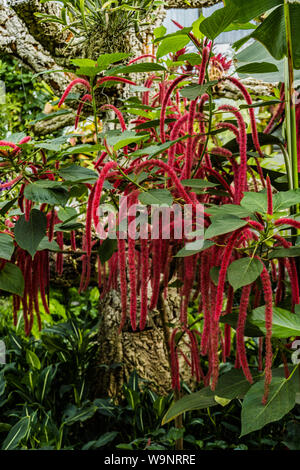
[77,81]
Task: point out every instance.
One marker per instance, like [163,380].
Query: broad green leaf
[244,271]
[193,91]
[29,234]
[172,44]
[246,11]
[160,197]
[107,249]
[257,67]
[11,279]
[186,251]
[285,199]
[293,251]
[53,144]
[255,202]
[103,440]
[44,192]
[118,140]
[33,360]
[44,382]
[191,57]
[6,205]
[107,59]
[198,184]
[139,68]
[216,23]
[230,209]
[281,400]
[194,401]
[233,384]
[154,150]
[6,246]
[224,224]
[271,33]
[152,123]
[284,324]
[250,329]
[16,434]
[83,148]
[74,414]
[65,214]
[78,174]
[160,31]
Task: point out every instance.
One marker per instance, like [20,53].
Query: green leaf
[118,139]
[6,205]
[107,249]
[193,401]
[191,92]
[11,279]
[45,380]
[83,148]
[230,209]
[74,414]
[250,329]
[29,234]
[6,246]
[281,400]
[160,197]
[32,360]
[53,144]
[216,23]
[185,251]
[246,11]
[284,324]
[103,440]
[291,252]
[257,67]
[44,192]
[16,434]
[244,271]
[272,34]
[255,202]
[107,59]
[78,174]
[139,68]
[172,44]
[224,224]
[285,199]
[198,184]
[154,150]
[233,384]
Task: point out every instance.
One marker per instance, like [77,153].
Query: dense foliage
[174,142]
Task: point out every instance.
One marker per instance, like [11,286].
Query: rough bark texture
[144,351]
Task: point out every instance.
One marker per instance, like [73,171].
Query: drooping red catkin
[267,289]
[248,100]
[270,196]
[174,135]
[219,303]
[77,81]
[43,267]
[118,113]
[88,222]
[205,295]
[83,100]
[10,183]
[189,276]
[240,332]
[59,256]
[219,178]
[144,283]
[123,281]
[292,271]
[98,190]
[165,104]
[132,262]
[114,79]
[186,172]
[227,328]
[174,361]
[205,56]
[156,271]
[172,175]
[73,240]
[143,56]
[28,205]
[243,151]
[278,112]
[287,221]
